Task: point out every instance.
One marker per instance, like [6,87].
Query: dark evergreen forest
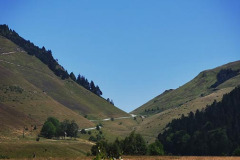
[212,131]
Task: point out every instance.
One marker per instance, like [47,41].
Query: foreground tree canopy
[213,131]
[53,128]
[134,144]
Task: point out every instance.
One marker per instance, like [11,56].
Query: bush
[155,148]
[98,127]
[83,131]
[236,152]
[37,139]
[93,139]
[4,157]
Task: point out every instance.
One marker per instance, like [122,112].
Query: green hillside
[194,95]
[200,86]
[212,131]
[30,92]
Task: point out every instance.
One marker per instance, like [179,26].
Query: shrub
[37,139]
[4,157]
[83,131]
[155,148]
[98,127]
[93,139]
[236,152]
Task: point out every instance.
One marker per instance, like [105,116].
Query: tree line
[53,128]
[213,131]
[46,57]
[134,144]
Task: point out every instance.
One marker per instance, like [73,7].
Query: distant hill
[206,87]
[212,131]
[30,92]
[204,84]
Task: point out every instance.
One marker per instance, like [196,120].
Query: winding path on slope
[106,119]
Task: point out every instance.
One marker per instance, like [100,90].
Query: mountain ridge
[200,79]
[195,94]
[31,92]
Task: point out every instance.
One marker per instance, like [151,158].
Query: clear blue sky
[133,49]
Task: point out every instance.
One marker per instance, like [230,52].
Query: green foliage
[81,80]
[54,121]
[98,127]
[110,101]
[53,128]
[155,148]
[236,152]
[72,76]
[50,127]
[134,144]
[63,128]
[83,131]
[4,157]
[213,131]
[72,129]
[93,139]
[38,139]
[48,130]
[101,148]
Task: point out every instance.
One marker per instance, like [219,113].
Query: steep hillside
[205,83]
[212,131]
[194,95]
[30,92]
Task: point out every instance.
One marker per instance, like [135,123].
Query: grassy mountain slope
[194,95]
[30,92]
[200,86]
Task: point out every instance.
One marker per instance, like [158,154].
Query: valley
[31,91]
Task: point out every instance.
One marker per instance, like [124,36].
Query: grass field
[45,148]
